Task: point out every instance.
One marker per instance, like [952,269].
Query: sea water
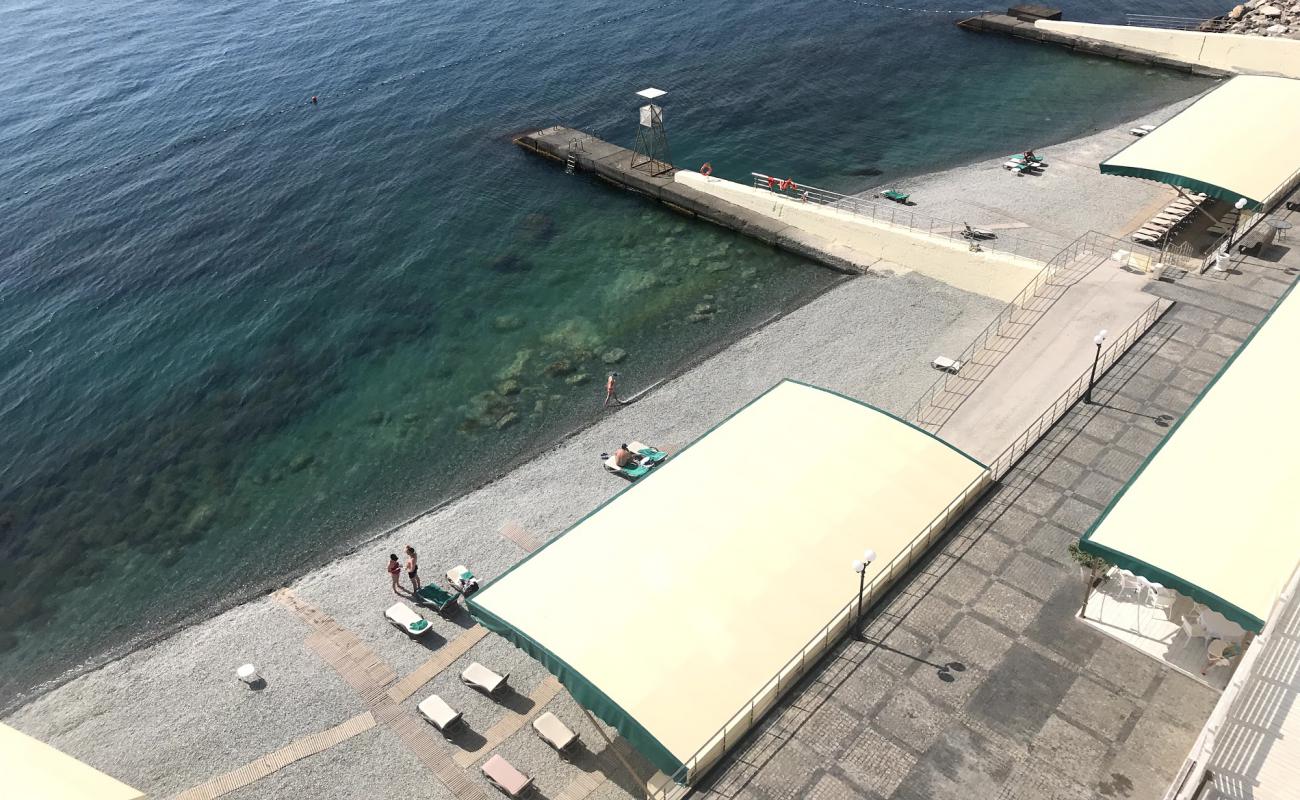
[240,332]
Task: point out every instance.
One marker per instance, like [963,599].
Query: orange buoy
[707,169]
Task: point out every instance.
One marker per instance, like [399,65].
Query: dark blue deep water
[239,332]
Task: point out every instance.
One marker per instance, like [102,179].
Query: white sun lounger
[1141,130]
[439,714]
[405,619]
[477,676]
[945,364]
[457,572]
[503,775]
[554,732]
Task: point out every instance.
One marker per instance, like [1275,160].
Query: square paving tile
[1220,345]
[912,719]
[1076,514]
[1117,464]
[1051,543]
[1058,628]
[831,787]
[960,766]
[1007,606]
[988,553]
[876,763]
[1022,692]
[1063,472]
[930,615]
[1158,741]
[1069,749]
[1097,488]
[866,686]
[1098,708]
[1036,576]
[829,728]
[974,642]
[783,776]
[1123,666]
[961,582]
[1183,699]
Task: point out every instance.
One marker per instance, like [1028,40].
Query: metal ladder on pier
[571,165]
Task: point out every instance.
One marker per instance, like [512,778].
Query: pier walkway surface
[974,678]
[1038,348]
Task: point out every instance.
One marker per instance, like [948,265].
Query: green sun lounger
[436,597]
[895,195]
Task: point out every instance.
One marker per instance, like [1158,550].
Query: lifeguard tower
[651,152]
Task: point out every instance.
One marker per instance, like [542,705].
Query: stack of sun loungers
[1172,218]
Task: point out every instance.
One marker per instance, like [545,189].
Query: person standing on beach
[395,572]
[412,569]
[611,390]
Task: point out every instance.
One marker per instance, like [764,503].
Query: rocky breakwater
[1260,18]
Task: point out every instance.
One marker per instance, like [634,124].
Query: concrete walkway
[1047,357]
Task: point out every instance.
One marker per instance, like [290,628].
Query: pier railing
[1214,25]
[896,215]
[845,619]
[1026,440]
[1100,245]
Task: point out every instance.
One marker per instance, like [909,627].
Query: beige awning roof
[1235,142]
[670,606]
[1212,512]
[32,770]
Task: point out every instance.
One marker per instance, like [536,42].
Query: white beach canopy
[669,608]
[1212,512]
[32,770]
[1226,144]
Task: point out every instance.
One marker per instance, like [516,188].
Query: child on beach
[394,571]
[412,569]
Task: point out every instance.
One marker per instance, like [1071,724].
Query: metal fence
[1249,219]
[1017,449]
[1213,25]
[898,215]
[766,697]
[1091,242]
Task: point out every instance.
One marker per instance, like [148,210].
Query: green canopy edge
[1193,184]
[1150,571]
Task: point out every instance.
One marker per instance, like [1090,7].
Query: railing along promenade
[848,616]
[1091,242]
[1248,219]
[1215,25]
[899,216]
[1022,443]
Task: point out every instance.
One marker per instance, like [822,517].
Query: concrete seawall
[613,164]
[1084,39]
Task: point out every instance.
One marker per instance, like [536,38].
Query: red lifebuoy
[786,184]
[707,169]
[771,182]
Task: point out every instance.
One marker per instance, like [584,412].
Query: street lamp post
[1092,378]
[1239,205]
[860,567]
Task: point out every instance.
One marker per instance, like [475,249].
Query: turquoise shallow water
[239,333]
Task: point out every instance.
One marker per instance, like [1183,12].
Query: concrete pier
[1016,22]
[613,164]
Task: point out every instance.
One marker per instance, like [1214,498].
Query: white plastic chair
[1192,626]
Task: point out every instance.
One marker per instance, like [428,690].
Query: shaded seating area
[1203,535]
[1172,219]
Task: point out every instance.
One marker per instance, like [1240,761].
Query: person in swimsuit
[412,569]
[394,572]
[611,390]
[625,457]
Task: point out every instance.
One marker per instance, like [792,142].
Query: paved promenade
[976,680]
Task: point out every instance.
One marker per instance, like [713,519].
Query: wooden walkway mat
[511,722]
[440,660]
[515,533]
[354,661]
[583,785]
[308,745]
[431,749]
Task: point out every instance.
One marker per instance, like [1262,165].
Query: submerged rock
[507,322]
[705,308]
[614,356]
[508,419]
[516,367]
[555,369]
[509,263]
[508,387]
[574,380]
[301,462]
[698,318]
[537,228]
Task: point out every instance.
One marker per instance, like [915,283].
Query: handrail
[1088,242]
[864,602]
[1242,229]
[1008,458]
[892,214]
[1210,25]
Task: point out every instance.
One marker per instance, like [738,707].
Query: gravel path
[172,715]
